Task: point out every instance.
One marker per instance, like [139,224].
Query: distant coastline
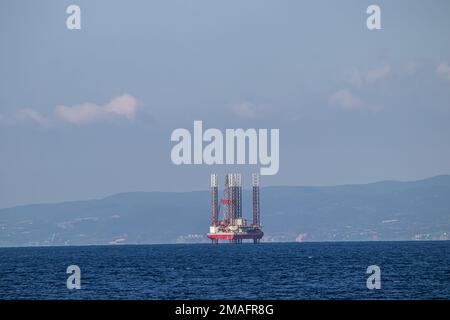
[388,211]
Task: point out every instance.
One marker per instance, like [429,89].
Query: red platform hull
[233,236]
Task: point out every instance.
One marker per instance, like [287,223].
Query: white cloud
[24,116]
[79,114]
[444,70]
[123,106]
[358,78]
[378,73]
[33,116]
[245,110]
[346,100]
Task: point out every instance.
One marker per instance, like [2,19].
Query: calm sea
[409,270]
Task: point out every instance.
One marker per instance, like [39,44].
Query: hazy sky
[88,113]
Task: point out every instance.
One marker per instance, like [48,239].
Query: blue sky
[87,113]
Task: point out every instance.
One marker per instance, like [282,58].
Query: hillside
[387,210]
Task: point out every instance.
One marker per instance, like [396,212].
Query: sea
[328,270]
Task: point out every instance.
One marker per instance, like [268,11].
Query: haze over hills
[388,210]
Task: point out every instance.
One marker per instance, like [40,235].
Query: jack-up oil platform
[233,227]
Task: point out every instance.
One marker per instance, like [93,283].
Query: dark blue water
[409,270]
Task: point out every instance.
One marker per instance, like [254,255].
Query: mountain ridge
[446,176]
[385,210]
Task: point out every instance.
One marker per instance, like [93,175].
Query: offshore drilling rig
[233,227]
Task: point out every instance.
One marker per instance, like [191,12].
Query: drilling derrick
[255,194]
[238,188]
[228,200]
[214,206]
[214,201]
[233,226]
[255,207]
